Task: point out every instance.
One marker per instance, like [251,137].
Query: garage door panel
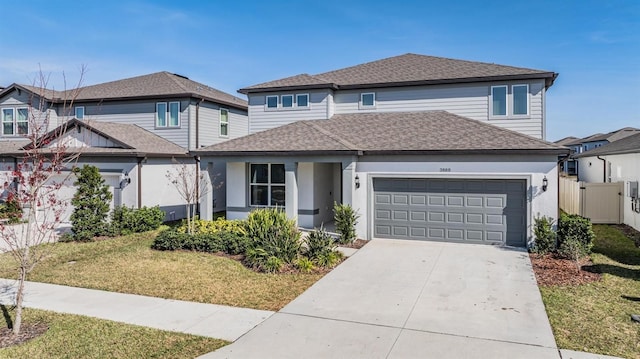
[476,211]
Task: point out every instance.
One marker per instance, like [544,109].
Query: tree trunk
[189,219]
[17,323]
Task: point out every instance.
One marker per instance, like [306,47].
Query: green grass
[128,265]
[595,317]
[74,336]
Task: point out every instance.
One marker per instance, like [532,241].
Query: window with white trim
[168,115]
[286,101]
[367,99]
[15,121]
[272,102]
[520,99]
[302,100]
[266,184]
[79,112]
[224,122]
[498,100]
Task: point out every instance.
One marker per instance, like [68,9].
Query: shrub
[328,259]
[303,264]
[126,220]
[232,243]
[11,210]
[271,234]
[220,224]
[273,265]
[577,231]
[170,240]
[318,243]
[91,204]
[545,236]
[346,219]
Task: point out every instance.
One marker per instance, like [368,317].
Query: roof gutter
[604,169]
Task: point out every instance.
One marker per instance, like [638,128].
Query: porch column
[206,199]
[348,180]
[291,190]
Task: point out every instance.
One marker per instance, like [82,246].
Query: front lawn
[74,336]
[127,264]
[595,317]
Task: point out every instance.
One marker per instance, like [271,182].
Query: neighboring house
[567,166]
[615,162]
[580,145]
[161,109]
[422,147]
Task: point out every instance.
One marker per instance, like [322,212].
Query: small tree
[346,219]
[91,204]
[191,185]
[35,181]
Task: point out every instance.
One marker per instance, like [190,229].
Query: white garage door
[454,210]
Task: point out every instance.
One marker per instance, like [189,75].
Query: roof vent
[183,76]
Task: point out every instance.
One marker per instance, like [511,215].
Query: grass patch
[127,264]
[74,336]
[595,317]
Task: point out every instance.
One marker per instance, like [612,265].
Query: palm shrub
[346,219]
[545,235]
[321,248]
[91,204]
[271,234]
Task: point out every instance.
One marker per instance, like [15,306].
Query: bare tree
[41,169]
[191,185]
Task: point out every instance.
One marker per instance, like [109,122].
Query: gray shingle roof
[565,141]
[613,135]
[132,140]
[159,85]
[408,69]
[396,132]
[630,144]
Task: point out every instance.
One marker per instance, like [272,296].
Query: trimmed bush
[220,224]
[575,235]
[545,236]
[271,234]
[346,219]
[91,204]
[226,242]
[170,240]
[125,220]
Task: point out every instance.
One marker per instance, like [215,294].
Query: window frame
[361,104]
[76,112]
[282,106]
[16,129]
[221,123]
[513,100]
[506,102]
[266,102]
[164,113]
[269,184]
[305,95]
[13,121]
[169,114]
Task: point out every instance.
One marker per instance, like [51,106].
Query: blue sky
[594,45]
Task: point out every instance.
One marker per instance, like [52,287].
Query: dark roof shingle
[407,69]
[630,144]
[394,132]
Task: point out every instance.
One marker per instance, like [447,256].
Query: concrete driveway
[406,299]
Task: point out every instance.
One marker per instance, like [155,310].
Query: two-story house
[133,129]
[422,147]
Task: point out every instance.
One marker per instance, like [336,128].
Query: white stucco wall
[539,202]
[590,169]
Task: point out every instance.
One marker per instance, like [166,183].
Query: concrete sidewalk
[209,320]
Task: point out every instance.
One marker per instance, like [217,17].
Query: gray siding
[143,114]
[262,119]
[210,124]
[24,99]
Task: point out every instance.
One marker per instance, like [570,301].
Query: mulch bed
[27,332]
[551,270]
[357,244]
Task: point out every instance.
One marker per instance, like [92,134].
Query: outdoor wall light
[545,183]
[125,181]
[357,181]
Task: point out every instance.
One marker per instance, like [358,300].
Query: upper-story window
[272,101]
[367,99]
[520,99]
[302,100]
[224,122]
[168,115]
[509,103]
[80,112]
[287,102]
[15,121]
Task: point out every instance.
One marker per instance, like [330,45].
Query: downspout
[140,182]
[604,169]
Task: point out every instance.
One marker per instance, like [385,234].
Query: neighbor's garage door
[454,210]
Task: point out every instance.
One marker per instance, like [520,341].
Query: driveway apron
[411,299]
